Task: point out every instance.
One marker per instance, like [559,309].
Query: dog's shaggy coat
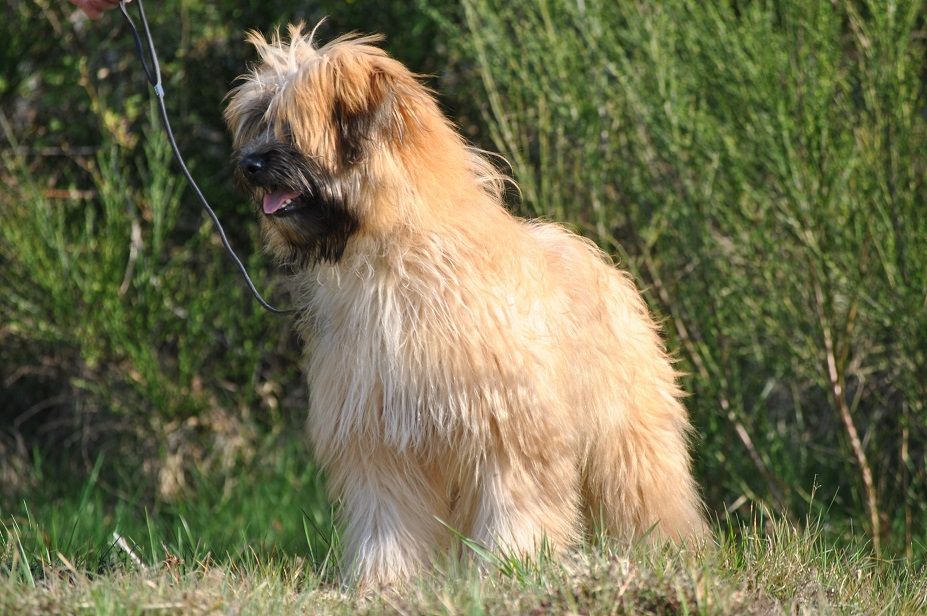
[467,369]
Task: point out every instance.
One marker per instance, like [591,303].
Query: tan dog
[466,368]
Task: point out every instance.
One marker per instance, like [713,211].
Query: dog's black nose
[252,165]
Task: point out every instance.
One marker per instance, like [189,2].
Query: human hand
[94,8]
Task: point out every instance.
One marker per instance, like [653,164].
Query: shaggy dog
[467,369]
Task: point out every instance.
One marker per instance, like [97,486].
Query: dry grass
[762,569]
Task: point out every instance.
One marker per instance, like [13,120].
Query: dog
[469,372]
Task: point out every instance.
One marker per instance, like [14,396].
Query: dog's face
[309,127]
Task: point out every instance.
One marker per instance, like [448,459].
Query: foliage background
[759,166]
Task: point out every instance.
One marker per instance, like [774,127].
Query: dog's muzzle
[253,167]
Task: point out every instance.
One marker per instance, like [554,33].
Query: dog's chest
[404,360]
[366,370]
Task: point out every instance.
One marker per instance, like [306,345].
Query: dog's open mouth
[283,202]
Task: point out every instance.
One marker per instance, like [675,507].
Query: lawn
[261,540]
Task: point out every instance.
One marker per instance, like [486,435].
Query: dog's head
[317,134]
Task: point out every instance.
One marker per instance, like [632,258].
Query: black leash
[153,73]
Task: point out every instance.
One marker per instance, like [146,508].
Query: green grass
[261,539]
[273,505]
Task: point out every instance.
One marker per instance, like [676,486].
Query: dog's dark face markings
[299,201]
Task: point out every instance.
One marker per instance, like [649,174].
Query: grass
[261,539]
[786,572]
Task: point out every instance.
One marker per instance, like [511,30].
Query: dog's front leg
[523,504]
[391,507]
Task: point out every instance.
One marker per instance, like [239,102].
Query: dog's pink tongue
[275,201]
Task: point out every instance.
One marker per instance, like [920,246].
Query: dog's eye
[287,136]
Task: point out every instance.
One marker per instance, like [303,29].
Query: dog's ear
[374,103]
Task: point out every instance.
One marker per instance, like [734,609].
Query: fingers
[94,8]
[87,7]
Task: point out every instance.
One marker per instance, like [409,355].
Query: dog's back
[636,474]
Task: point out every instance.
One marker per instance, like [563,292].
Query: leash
[153,74]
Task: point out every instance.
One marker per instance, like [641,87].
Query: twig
[835,379]
[123,545]
[906,486]
[134,248]
[71,194]
[683,334]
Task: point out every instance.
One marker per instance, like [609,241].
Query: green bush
[760,167]
[139,331]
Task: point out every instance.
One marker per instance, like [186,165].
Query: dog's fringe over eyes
[467,369]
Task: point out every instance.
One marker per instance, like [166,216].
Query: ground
[777,571]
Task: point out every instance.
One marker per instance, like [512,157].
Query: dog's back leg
[638,481]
